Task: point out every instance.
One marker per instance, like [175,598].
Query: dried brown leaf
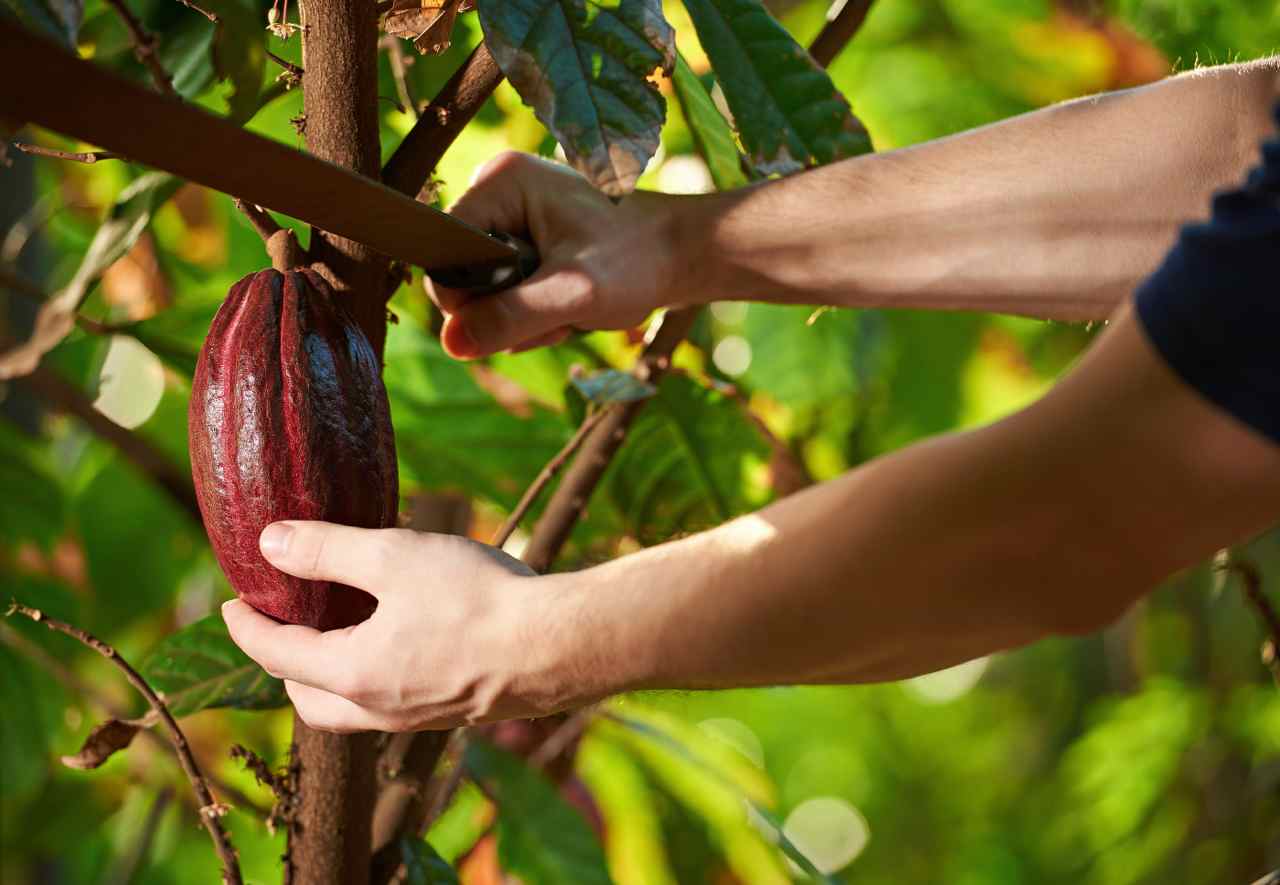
[108,739]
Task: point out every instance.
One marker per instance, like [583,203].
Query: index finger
[287,651]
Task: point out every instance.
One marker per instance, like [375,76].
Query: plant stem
[86,157]
[210,810]
[144,47]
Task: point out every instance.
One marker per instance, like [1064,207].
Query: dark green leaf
[239,53]
[23,764]
[541,838]
[686,464]
[423,866]
[711,132]
[612,386]
[199,667]
[584,67]
[786,109]
[125,222]
[32,506]
[451,434]
[55,18]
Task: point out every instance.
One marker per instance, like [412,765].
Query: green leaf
[33,506]
[612,386]
[584,67]
[199,667]
[56,18]
[424,866]
[707,777]
[541,838]
[239,53]
[125,222]
[786,109]
[687,463]
[451,434]
[712,134]
[800,357]
[22,731]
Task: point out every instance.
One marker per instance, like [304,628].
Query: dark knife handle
[486,278]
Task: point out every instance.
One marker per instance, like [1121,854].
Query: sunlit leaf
[686,464]
[788,112]
[805,360]
[541,838]
[711,132]
[584,67]
[452,434]
[199,667]
[32,504]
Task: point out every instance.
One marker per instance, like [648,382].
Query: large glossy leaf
[541,838]
[786,109]
[687,463]
[59,19]
[199,667]
[803,358]
[452,434]
[584,67]
[125,222]
[711,131]
[711,781]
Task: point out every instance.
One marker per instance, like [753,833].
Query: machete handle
[483,279]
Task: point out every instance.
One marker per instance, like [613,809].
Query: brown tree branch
[144,47]
[545,476]
[843,21]
[395,55]
[417,156]
[210,810]
[582,477]
[73,683]
[289,67]
[87,157]
[580,480]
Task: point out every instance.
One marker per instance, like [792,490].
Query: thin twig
[563,737]
[290,67]
[1251,582]
[395,55]
[210,810]
[440,798]
[260,218]
[73,683]
[206,13]
[144,47]
[416,157]
[87,157]
[545,476]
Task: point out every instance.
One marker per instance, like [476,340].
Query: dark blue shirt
[1213,307]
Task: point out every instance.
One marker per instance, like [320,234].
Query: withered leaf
[106,740]
[428,23]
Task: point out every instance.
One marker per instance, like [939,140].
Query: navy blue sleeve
[1213,308]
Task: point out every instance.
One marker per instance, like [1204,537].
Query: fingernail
[467,346]
[274,540]
[230,602]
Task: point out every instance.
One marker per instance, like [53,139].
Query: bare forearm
[1053,214]
[1052,521]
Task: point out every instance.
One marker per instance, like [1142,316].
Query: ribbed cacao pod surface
[289,420]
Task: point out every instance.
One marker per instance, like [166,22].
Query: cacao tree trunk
[329,841]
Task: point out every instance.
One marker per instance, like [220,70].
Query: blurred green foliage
[1148,753]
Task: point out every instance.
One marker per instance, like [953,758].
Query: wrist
[566,643]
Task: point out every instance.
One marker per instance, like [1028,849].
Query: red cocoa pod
[289,420]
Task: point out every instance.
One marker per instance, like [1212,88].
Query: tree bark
[329,839]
